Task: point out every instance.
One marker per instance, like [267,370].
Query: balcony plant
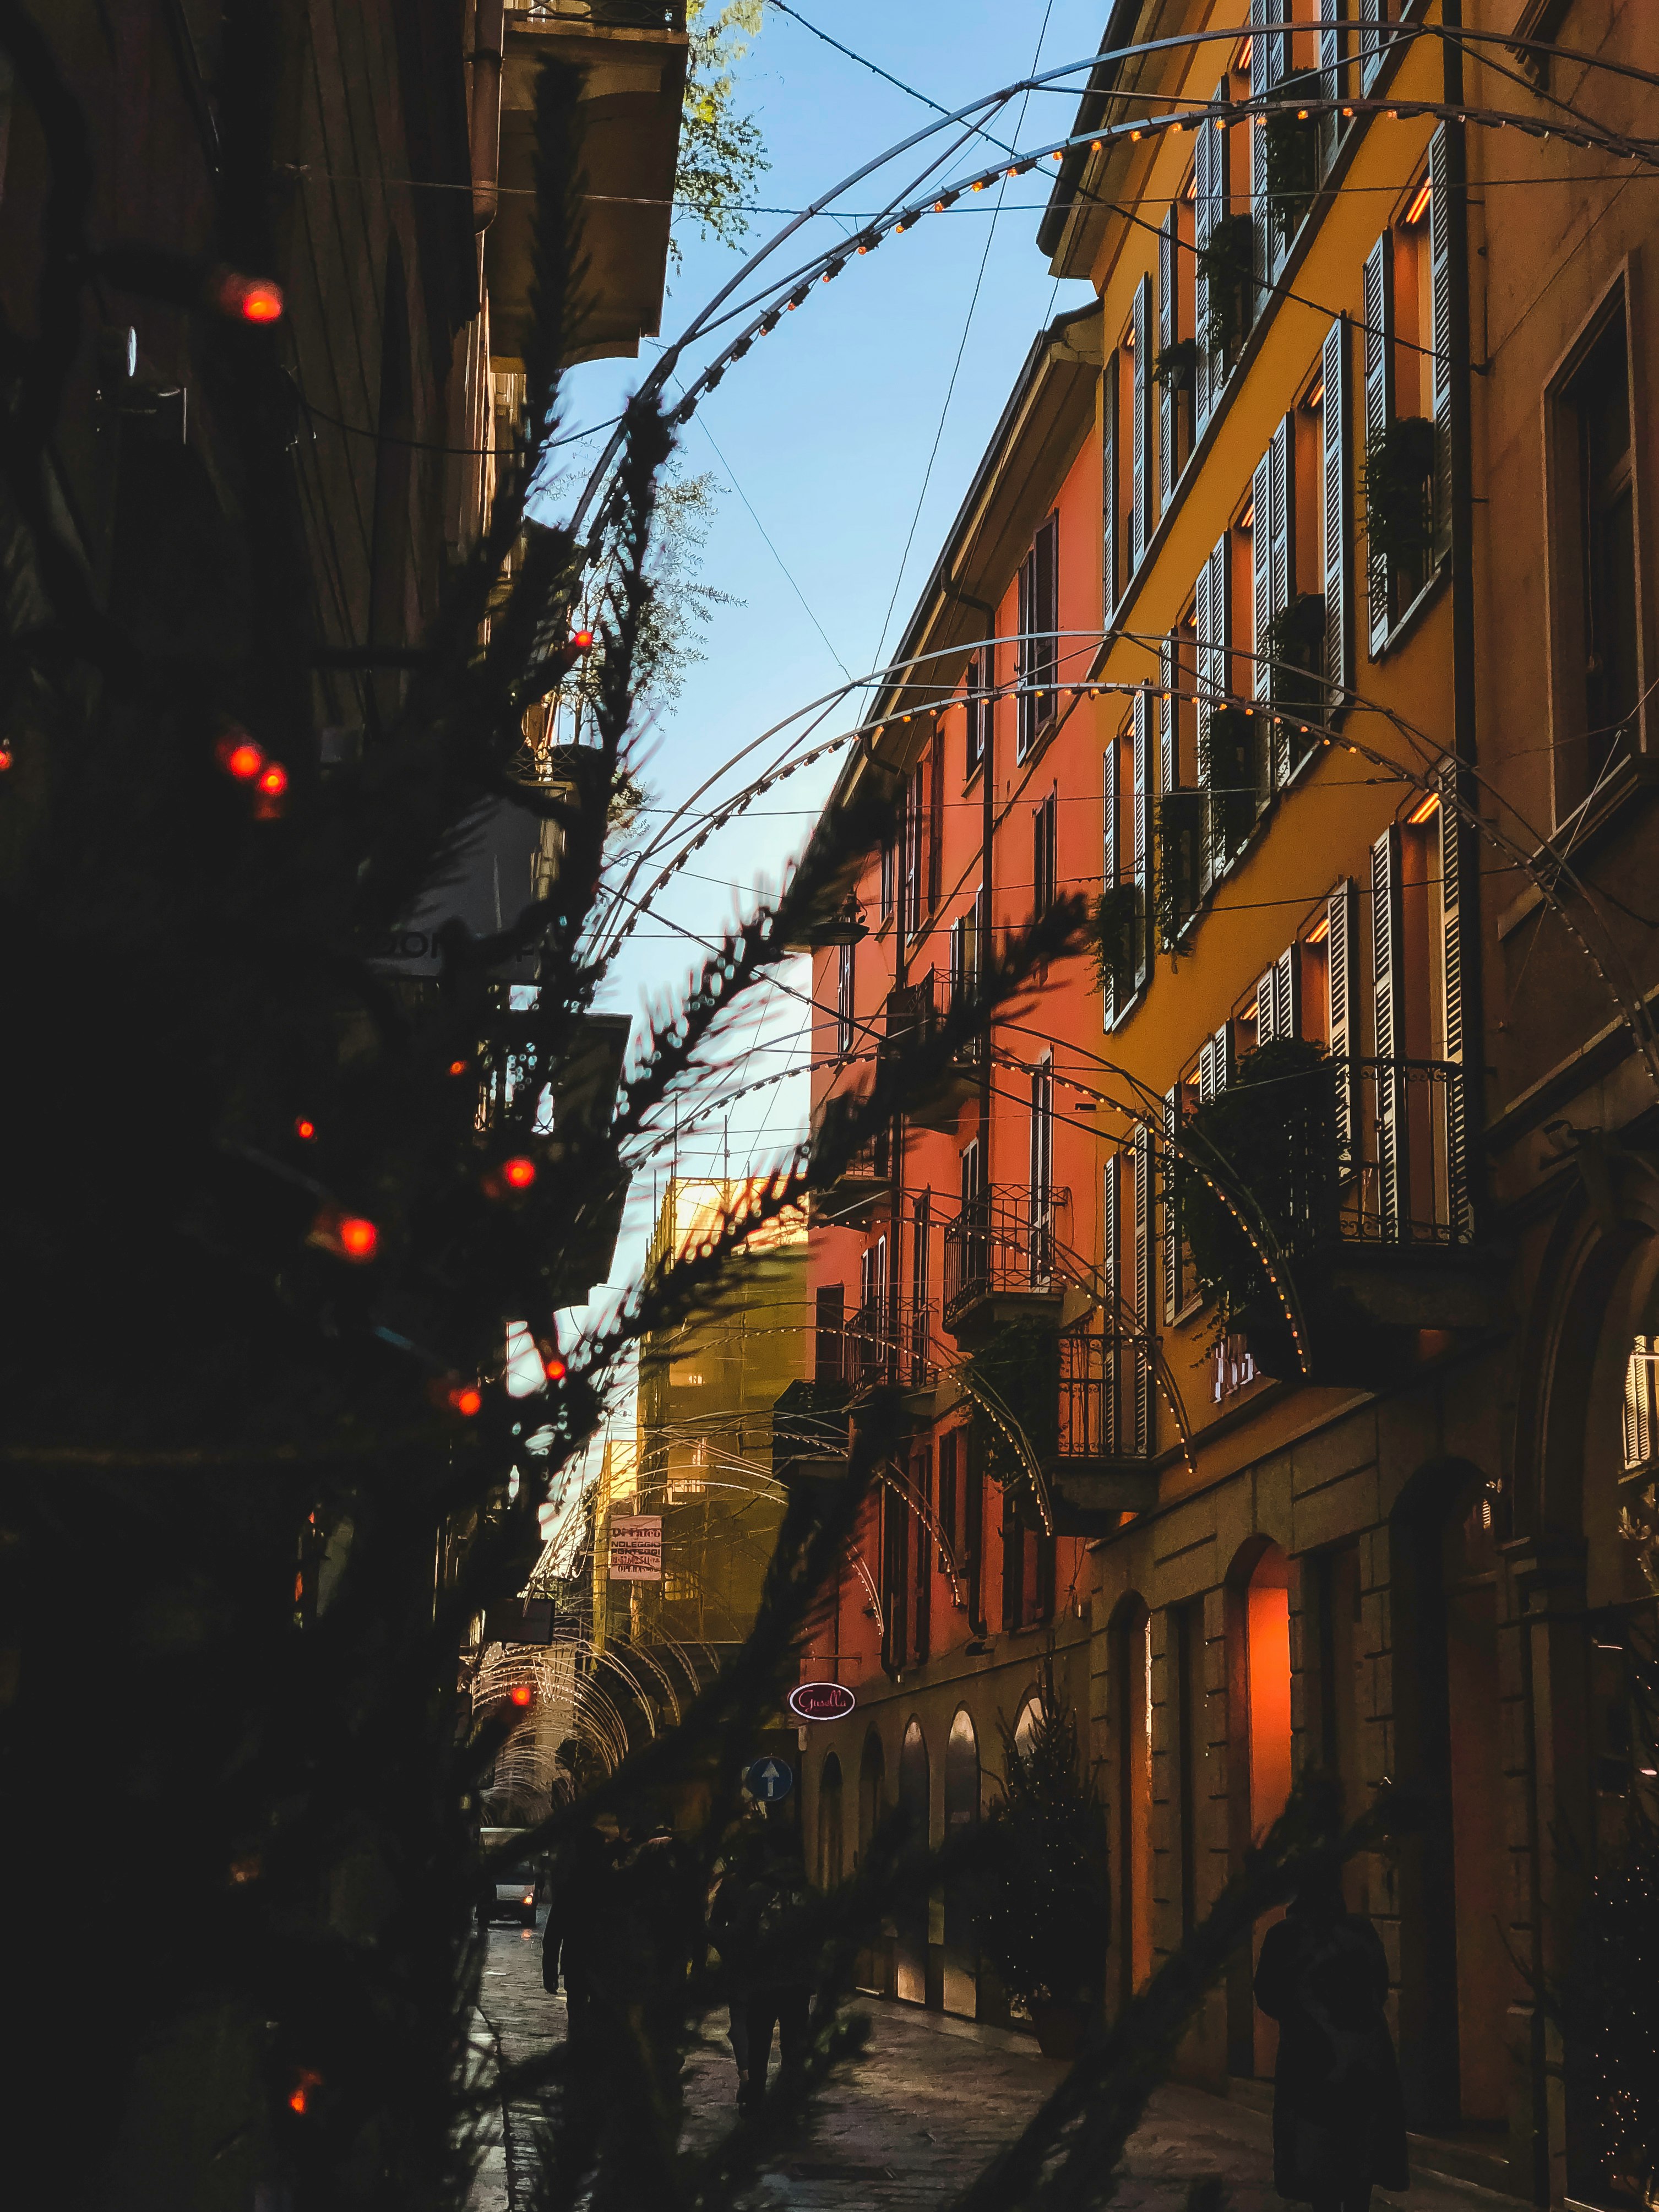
[1263,1149]
[1398,485]
[1296,649]
[1232,777]
[1292,160]
[1174,365]
[1018,1371]
[1226,262]
[1114,935]
[1178,835]
[1042,1919]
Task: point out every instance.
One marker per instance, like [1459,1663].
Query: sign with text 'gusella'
[821,1701]
[636,1548]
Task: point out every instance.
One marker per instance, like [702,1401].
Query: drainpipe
[489,38]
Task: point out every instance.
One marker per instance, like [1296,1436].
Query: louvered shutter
[1287,994]
[1261,85]
[1207,155]
[1108,554]
[1336,431]
[1370,48]
[1140,524]
[1288,744]
[1169,398]
[1267,1007]
[1343,985]
[1168,765]
[1454,857]
[1141,834]
[1213,627]
[1440,224]
[1172,1272]
[1342,969]
[1141,1157]
[1330,81]
[1108,866]
[1388,1015]
[1379,413]
[1111,1277]
[1208,1085]
[1215,1063]
[1261,535]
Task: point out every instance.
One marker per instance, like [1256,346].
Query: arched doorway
[1130,1686]
[960,1991]
[873,1960]
[914,1810]
[830,1823]
[1259,1761]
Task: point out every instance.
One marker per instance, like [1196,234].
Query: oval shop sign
[821,1701]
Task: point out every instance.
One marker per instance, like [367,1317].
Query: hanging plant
[1292,162]
[1178,835]
[1232,777]
[1296,646]
[1114,930]
[1270,1137]
[1399,491]
[1020,1370]
[1176,364]
[1226,262]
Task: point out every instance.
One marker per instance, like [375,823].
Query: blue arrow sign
[768,1780]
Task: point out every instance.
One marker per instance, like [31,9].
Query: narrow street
[932,2099]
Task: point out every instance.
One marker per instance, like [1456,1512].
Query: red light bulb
[254,300]
[554,1369]
[457,1067]
[238,755]
[519,1173]
[521,1694]
[273,782]
[304,1130]
[467,1400]
[5,758]
[581,639]
[299,2095]
[359,1239]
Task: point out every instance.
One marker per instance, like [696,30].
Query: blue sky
[826,430]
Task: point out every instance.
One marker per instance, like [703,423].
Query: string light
[457,1066]
[299,2097]
[358,1237]
[5,758]
[256,300]
[239,756]
[465,1399]
[519,1173]
[520,1693]
[305,1130]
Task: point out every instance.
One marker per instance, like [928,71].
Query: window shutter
[1261,502]
[1142,1154]
[1169,398]
[1111,1280]
[1207,157]
[1379,413]
[1282,473]
[1140,526]
[1169,767]
[1287,994]
[1342,969]
[1108,864]
[1330,81]
[1264,77]
[1386,982]
[1370,49]
[1215,1063]
[1141,834]
[935,815]
[1109,570]
[1336,431]
[1441,328]
[1267,1007]
[1172,1284]
[1022,657]
[1046,556]
[1214,628]
[1208,1085]
[1454,856]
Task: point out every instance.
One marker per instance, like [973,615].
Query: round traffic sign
[821,1701]
[768,1780]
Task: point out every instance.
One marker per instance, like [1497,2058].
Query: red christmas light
[457,1066]
[519,1172]
[521,1694]
[238,755]
[581,639]
[554,1369]
[465,1400]
[5,758]
[299,2095]
[358,1239]
[273,782]
[305,1129]
[255,300]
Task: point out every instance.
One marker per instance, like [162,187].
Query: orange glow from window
[1415,212]
[1428,805]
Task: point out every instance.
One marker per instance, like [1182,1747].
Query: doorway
[961,1975]
[915,1808]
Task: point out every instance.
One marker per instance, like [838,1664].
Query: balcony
[1360,1168]
[913,1015]
[888,1349]
[864,1187]
[1000,1260]
[1101,1469]
[810,1425]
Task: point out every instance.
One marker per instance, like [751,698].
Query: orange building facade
[1296,615]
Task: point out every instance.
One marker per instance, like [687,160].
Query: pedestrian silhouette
[1339,2122]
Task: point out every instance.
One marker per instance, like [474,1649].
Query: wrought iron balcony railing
[1003,1242]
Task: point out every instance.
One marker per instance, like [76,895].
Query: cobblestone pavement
[930,2101]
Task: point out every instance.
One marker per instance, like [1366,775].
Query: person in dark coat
[780,1986]
[1339,2121]
[573,1940]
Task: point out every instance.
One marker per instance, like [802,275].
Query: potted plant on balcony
[1015,1378]
[1291,152]
[1178,832]
[1226,262]
[1398,484]
[1232,775]
[1262,1151]
[1042,1917]
[1113,932]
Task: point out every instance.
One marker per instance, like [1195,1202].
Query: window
[920,1334]
[1039,625]
[978,684]
[1043,1170]
[948,1532]
[844,1021]
[1641,1404]
[911,867]
[828,1317]
[1595,529]
[888,877]
[1044,880]
[935,814]
[966,938]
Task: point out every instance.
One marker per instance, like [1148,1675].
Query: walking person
[1338,2120]
[731,1912]
[780,1980]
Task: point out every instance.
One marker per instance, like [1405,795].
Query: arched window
[1258,1618]
[829,1822]
[961,1980]
[916,1810]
